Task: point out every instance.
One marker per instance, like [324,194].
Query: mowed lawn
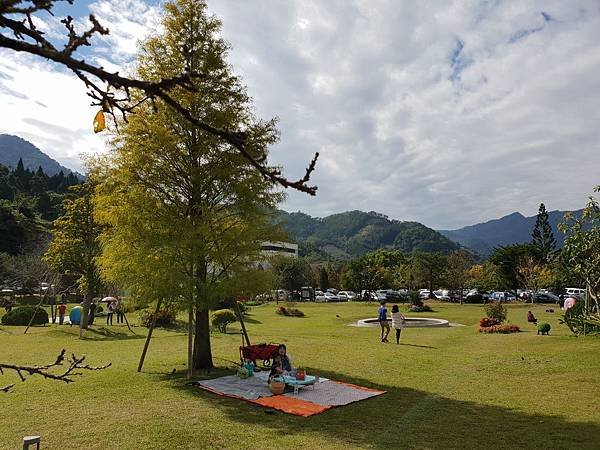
[446,388]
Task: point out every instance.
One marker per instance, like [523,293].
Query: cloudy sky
[448,113]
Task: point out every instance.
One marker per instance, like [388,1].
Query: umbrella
[108,299]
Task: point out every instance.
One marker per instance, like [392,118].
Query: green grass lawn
[446,388]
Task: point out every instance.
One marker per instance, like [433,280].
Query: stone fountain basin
[410,322]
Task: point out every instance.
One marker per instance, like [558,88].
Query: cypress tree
[542,236]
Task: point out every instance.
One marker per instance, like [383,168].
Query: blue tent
[75,315]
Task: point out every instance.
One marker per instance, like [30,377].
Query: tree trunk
[190,370]
[202,358]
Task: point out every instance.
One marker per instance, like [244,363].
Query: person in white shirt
[397,322]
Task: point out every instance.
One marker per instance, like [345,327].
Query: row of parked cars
[467,295]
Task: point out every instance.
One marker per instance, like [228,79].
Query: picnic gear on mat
[276,386]
[326,394]
[297,383]
[259,352]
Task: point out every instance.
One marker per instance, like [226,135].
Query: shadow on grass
[415,345]
[248,319]
[410,418]
[107,334]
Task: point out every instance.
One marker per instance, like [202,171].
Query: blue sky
[444,112]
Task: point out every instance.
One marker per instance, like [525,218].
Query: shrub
[422,308]
[23,314]
[488,322]
[579,322]
[496,310]
[543,328]
[164,318]
[504,329]
[414,298]
[289,312]
[27,300]
[222,318]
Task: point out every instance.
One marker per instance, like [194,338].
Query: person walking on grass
[119,310]
[385,326]
[397,322]
[62,309]
[110,309]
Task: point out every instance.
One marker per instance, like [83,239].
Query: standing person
[62,309]
[110,309]
[93,308]
[397,322]
[120,311]
[385,326]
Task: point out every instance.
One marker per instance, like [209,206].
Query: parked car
[502,296]
[476,296]
[546,297]
[320,296]
[329,297]
[575,291]
[347,295]
[441,295]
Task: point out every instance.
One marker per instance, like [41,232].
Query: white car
[329,297]
[347,295]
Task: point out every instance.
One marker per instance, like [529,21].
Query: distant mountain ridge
[13,147]
[350,234]
[511,229]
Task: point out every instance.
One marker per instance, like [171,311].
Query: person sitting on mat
[281,363]
[530,317]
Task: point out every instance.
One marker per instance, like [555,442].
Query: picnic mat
[325,395]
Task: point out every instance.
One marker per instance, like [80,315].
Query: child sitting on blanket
[281,363]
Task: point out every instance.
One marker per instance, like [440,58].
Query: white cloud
[444,112]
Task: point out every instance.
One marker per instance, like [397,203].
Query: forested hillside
[354,233]
[29,201]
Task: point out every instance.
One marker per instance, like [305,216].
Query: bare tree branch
[74,368]
[29,39]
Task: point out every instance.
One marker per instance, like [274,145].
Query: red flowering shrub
[488,322]
[290,312]
[504,329]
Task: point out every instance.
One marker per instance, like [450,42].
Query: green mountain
[13,148]
[353,233]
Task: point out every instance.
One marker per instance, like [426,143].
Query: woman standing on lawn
[397,322]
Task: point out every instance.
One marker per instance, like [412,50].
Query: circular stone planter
[410,322]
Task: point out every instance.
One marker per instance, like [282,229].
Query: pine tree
[542,236]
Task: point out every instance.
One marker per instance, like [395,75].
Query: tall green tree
[542,237]
[75,245]
[508,259]
[456,274]
[291,273]
[176,193]
[429,268]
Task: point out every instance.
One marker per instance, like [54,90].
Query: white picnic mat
[331,393]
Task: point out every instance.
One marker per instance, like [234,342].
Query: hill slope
[13,147]
[353,233]
[511,229]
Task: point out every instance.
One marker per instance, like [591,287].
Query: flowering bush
[496,310]
[488,322]
[290,312]
[504,329]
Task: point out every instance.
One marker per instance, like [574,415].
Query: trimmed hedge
[21,316]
